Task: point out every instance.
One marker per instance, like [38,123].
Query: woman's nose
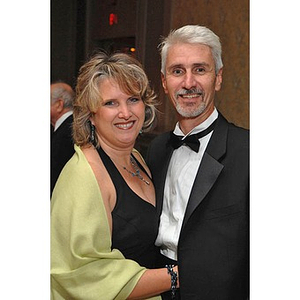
[124,112]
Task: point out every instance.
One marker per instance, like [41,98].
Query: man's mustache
[183,92]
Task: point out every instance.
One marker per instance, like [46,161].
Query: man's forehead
[189,55]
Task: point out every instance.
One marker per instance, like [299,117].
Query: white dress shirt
[180,178]
[62,118]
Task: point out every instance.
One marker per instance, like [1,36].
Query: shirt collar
[199,127]
[62,119]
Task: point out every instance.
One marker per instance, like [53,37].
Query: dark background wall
[63,40]
[79,27]
[230,21]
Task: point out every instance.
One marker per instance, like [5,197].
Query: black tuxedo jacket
[213,247]
[62,148]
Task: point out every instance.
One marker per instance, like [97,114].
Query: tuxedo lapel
[158,159]
[161,177]
[207,175]
[210,167]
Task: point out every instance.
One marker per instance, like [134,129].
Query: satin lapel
[205,179]
[210,168]
[161,177]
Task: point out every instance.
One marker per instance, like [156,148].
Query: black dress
[135,221]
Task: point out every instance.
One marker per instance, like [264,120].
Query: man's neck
[187,124]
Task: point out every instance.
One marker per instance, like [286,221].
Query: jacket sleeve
[83,266]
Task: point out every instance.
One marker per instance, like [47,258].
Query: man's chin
[190,112]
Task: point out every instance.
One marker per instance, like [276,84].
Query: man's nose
[189,80]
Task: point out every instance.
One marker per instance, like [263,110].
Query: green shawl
[83,265]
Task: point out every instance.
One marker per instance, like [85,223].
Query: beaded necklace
[137,172]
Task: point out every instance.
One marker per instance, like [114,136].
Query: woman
[103,216]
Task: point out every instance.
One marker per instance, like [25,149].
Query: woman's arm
[153,282]
[81,254]
[81,245]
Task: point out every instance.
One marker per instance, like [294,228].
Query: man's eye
[200,70]
[177,72]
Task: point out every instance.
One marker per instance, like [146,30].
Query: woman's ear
[91,119]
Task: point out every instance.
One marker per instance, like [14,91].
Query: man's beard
[189,111]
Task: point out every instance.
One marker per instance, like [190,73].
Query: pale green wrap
[83,266]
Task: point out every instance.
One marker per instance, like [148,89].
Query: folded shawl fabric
[83,265]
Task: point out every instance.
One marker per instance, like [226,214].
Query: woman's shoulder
[101,175]
[77,175]
[137,155]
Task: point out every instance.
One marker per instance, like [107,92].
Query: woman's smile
[125,126]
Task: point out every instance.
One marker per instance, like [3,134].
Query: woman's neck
[117,154]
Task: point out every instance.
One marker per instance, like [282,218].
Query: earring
[92,134]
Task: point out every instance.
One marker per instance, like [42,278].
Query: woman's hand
[176,270]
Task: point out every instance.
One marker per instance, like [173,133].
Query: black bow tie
[191,140]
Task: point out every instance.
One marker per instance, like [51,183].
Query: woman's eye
[109,103]
[134,99]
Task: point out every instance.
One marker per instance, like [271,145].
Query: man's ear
[219,79]
[163,81]
[59,105]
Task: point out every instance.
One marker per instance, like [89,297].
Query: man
[202,190]
[62,147]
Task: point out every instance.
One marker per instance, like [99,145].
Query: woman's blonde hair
[128,74]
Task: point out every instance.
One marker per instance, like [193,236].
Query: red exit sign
[113,19]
